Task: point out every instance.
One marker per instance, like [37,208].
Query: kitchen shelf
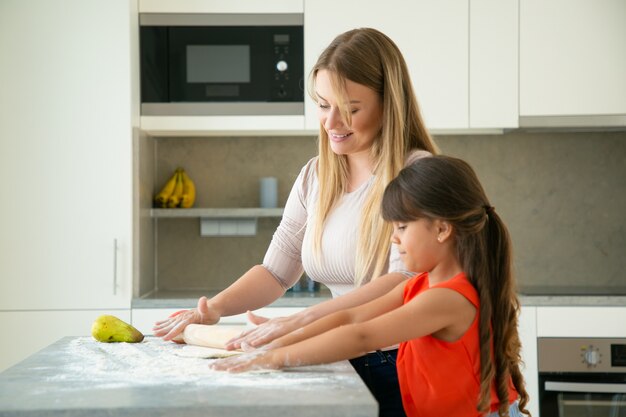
[217,213]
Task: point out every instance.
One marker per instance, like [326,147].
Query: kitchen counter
[573,300]
[79,376]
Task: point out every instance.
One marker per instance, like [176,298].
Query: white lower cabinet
[581,321]
[26,332]
[527,328]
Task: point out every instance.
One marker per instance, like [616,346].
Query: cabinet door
[26,332]
[65,155]
[572,57]
[432,35]
[527,328]
[493,64]
[581,321]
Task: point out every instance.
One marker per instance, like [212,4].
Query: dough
[205,352]
[213,336]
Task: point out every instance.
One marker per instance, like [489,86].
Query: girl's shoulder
[461,284]
[415,285]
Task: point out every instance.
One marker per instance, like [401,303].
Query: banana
[189,191]
[163,196]
[177,194]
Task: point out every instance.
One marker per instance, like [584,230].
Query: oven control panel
[618,355]
[561,354]
[590,355]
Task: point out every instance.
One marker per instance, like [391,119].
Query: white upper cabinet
[493,64]
[572,58]
[432,35]
[462,55]
[220,6]
[65,154]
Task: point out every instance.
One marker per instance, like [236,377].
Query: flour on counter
[155,362]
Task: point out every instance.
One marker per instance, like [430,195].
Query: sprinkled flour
[155,362]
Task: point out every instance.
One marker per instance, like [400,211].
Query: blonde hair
[368,57]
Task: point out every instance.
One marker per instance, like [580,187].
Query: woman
[332,227]
[456,321]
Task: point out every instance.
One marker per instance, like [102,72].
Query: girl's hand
[246,362]
[175,324]
[265,332]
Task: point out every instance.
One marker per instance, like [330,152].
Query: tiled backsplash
[562,195]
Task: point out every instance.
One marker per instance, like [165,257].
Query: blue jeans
[513,411]
[378,371]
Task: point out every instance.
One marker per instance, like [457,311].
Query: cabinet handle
[114,266]
[585,387]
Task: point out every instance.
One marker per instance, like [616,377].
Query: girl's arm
[281,326]
[434,311]
[381,305]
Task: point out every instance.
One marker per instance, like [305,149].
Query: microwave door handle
[585,387]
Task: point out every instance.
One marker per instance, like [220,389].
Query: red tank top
[439,378]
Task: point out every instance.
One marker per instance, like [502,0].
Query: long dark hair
[447,188]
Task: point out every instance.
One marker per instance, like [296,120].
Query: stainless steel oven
[582,377]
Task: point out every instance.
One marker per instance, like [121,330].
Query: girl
[457,321]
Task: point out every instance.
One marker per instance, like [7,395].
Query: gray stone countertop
[573,300]
[78,376]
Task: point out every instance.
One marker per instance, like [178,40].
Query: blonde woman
[332,227]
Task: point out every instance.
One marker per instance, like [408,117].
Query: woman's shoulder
[307,181]
[310,168]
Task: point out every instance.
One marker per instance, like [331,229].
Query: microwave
[221,64]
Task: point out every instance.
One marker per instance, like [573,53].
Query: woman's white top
[291,249]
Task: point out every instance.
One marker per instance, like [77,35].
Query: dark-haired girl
[456,322]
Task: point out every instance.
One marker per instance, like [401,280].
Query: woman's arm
[281,326]
[256,288]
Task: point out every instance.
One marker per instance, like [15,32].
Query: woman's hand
[266,331]
[260,359]
[175,324]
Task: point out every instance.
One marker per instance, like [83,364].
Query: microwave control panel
[281,88]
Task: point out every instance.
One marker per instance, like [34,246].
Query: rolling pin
[213,336]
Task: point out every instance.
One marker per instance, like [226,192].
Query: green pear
[109,329]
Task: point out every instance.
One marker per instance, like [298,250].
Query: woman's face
[366,108]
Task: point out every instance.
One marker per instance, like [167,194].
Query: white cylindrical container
[268,192]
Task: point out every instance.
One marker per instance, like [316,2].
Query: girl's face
[367,114]
[419,244]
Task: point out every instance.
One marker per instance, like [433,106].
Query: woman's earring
[439,239]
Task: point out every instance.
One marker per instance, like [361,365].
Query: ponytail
[499,311]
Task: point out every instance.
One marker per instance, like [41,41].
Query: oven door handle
[585,387]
